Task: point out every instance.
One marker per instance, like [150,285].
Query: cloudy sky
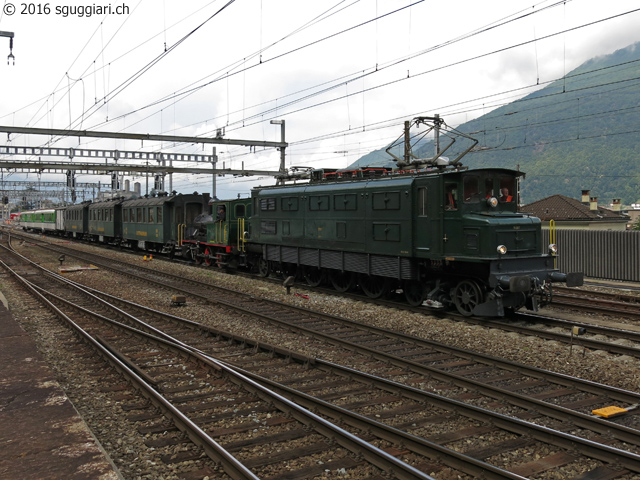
[344,75]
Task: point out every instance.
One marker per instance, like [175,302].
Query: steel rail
[590,448]
[231,465]
[625,434]
[605,427]
[372,454]
[558,378]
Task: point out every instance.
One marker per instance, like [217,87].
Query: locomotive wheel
[264,268]
[466,296]
[342,281]
[314,276]
[414,293]
[195,255]
[208,257]
[374,286]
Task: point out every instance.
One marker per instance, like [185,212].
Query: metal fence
[610,255]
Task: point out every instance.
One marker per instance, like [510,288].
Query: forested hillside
[582,132]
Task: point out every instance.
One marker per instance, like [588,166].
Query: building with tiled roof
[568,212]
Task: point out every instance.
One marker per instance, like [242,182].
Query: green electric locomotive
[445,238]
[444,235]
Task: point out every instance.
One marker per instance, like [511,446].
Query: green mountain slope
[582,132]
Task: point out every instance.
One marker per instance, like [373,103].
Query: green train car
[447,238]
[103,225]
[76,220]
[219,239]
[159,223]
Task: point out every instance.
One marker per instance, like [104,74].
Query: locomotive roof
[510,171]
[394,177]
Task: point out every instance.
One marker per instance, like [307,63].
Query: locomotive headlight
[502,249]
[492,202]
[553,248]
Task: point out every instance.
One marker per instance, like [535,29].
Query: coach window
[471,189]
[125,215]
[159,214]
[422,202]
[150,214]
[138,215]
[132,215]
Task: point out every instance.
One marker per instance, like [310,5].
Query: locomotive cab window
[451,196]
[507,190]
[240,211]
[488,188]
[471,189]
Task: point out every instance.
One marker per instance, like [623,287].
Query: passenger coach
[40,220]
[159,223]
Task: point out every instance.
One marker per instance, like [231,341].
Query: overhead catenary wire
[280,106]
[354,76]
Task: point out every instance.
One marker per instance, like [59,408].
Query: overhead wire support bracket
[10,36]
[139,136]
[86,153]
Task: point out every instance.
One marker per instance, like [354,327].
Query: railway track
[435,368]
[614,304]
[211,403]
[613,340]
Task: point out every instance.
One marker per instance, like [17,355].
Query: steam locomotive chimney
[593,203]
[585,196]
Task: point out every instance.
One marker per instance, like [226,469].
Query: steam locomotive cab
[218,238]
